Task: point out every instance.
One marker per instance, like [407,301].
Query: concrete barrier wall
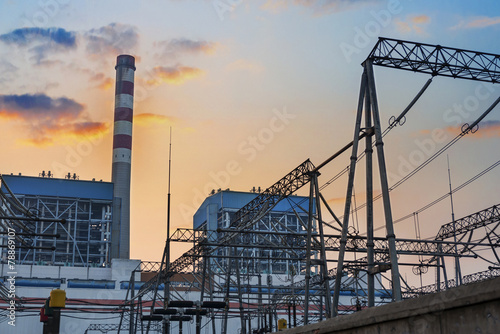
[473,308]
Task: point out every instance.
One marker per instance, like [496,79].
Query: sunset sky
[250,89]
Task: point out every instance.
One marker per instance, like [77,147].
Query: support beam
[379,144]
[436,60]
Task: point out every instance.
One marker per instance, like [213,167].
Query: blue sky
[220,73]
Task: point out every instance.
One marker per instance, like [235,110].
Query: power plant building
[217,212]
[84,240]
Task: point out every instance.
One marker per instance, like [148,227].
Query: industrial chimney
[122,152]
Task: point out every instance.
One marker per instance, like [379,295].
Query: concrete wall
[473,308]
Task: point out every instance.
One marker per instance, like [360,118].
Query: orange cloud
[86,130]
[147,119]
[245,65]
[360,198]
[174,75]
[64,133]
[477,23]
[486,129]
[413,24]
[318,7]
[420,19]
[6,115]
[37,142]
[176,47]
[103,82]
[49,121]
[336,200]
[453,130]
[106,84]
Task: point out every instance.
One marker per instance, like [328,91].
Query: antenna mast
[168,195]
[458,274]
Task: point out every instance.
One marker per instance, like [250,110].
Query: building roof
[43,186]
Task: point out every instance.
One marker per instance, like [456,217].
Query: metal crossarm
[436,60]
[469,223]
[190,235]
[467,279]
[332,243]
[261,204]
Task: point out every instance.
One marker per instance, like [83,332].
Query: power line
[436,201]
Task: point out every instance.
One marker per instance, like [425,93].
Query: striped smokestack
[122,152]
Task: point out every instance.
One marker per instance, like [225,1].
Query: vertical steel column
[445,274]
[289,314]
[438,274]
[202,294]
[324,268]
[166,299]
[350,184]
[240,297]
[391,237]
[132,295]
[139,311]
[270,319]
[228,283]
[211,289]
[293,300]
[320,308]
[369,205]
[308,254]
[157,284]
[265,320]
[269,284]
[261,309]
[249,322]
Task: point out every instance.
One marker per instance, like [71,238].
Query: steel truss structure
[355,272]
[436,60]
[316,295]
[417,57]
